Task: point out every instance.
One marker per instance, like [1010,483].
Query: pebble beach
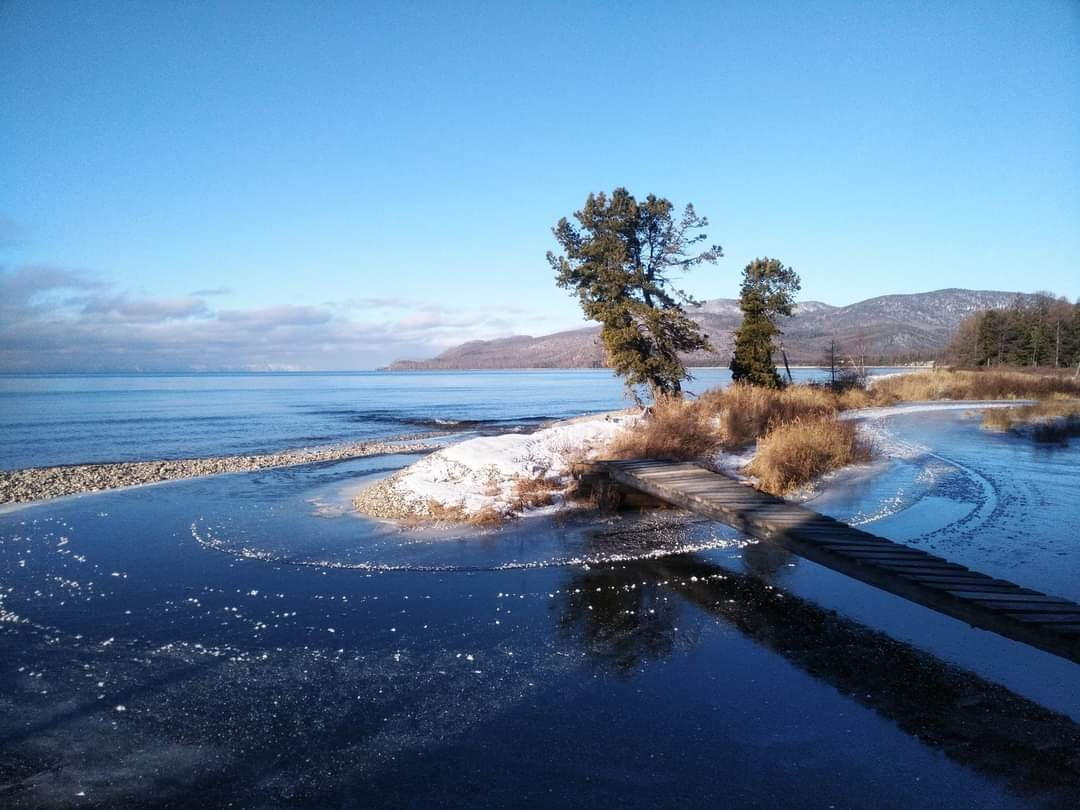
[43,483]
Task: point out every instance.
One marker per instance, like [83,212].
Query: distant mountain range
[889,328]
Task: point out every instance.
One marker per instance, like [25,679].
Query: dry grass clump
[957,384]
[488,517]
[675,429]
[1052,420]
[851,399]
[728,418]
[795,453]
[531,493]
[998,419]
[797,433]
[449,512]
[745,412]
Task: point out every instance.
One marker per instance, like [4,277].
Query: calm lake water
[51,419]
[247,641]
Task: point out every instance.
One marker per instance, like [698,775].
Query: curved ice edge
[208,541]
[925,407]
[893,449]
[934,405]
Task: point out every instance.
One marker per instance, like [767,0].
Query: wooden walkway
[1042,621]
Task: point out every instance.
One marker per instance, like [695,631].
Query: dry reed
[794,453]
[675,429]
[960,384]
[531,493]
[1051,420]
[744,413]
[487,517]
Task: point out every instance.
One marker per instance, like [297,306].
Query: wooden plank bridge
[1022,614]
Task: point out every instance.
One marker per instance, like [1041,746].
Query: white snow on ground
[477,474]
[732,463]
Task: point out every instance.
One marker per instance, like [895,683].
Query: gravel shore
[42,483]
[385,501]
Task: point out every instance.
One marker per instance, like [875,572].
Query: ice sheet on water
[997,503]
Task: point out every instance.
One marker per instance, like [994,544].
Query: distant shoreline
[382,370]
[691,367]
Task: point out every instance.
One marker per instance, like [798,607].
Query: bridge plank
[1045,622]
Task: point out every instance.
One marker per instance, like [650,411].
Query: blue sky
[337,185]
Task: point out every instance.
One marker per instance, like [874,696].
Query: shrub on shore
[487,517]
[853,398]
[797,433]
[532,493]
[1052,420]
[794,453]
[964,384]
[727,419]
[744,413]
[675,429]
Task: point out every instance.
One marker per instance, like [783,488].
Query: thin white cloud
[143,310]
[30,281]
[54,318]
[277,316]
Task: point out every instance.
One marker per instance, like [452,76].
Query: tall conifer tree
[767,292]
[618,260]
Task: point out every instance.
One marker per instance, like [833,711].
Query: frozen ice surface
[999,503]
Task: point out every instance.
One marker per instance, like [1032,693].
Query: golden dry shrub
[1057,415]
[531,493]
[997,419]
[744,413]
[851,399]
[962,384]
[488,517]
[451,513]
[794,453]
[674,429]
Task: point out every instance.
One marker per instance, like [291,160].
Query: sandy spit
[42,483]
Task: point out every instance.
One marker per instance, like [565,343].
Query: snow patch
[480,474]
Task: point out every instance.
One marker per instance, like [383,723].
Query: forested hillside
[1040,331]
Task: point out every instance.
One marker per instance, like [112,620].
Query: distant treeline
[1042,332]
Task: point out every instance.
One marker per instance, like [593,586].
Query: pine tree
[618,260]
[1037,330]
[1071,349]
[768,291]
